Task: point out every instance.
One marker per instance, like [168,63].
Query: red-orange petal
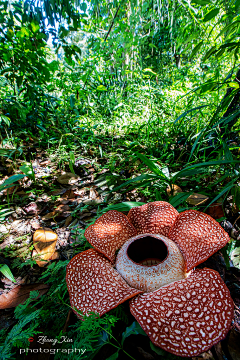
[153,218]
[94,285]
[198,236]
[109,233]
[186,317]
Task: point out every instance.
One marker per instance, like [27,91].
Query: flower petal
[198,235]
[153,218]
[94,285]
[186,317]
[109,233]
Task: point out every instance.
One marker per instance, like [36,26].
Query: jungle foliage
[151,88]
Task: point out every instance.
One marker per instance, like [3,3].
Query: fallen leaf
[68,179]
[197,199]
[68,221]
[218,349]
[44,241]
[206,356]
[19,294]
[215,211]
[234,345]
[176,190]
[93,193]
[32,209]
[10,190]
[69,194]
[57,192]
[21,192]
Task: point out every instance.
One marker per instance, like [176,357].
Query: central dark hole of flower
[148,251]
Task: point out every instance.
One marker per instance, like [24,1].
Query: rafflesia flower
[182,310]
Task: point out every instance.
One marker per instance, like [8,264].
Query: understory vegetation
[109,105]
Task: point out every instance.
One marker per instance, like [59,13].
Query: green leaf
[195,50]
[236,195]
[158,350]
[209,53]
[100,150]
[212,14]
[234,85]
[28,170]
[201,2]
[138,178]
[227,152]
[133,329]
[152,166]
[189,111]
[124,206]
[226,257]
[72,157]
[149,70]
[11,180]
[42,128]
[35,26]
[101,88]
[7,272]
[83,6]
[113,356]
[179,198]
[5,119]
[205,164]
[225,189]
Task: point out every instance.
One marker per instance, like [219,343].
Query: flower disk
[150,278]
[94,285]
[153,218]
[186,317]
[109,233]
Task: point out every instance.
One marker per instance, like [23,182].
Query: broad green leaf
[229,28]
[124,206]
[133,329]
[152,166]
[72,157]
[195,50]
[13,179]
[4,269]
[137,178]
[189,111]
[212,14]
[179,198]
[209,53]
[28,170]
[227,152]
[5,119]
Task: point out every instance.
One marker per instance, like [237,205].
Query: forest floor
[67,203]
